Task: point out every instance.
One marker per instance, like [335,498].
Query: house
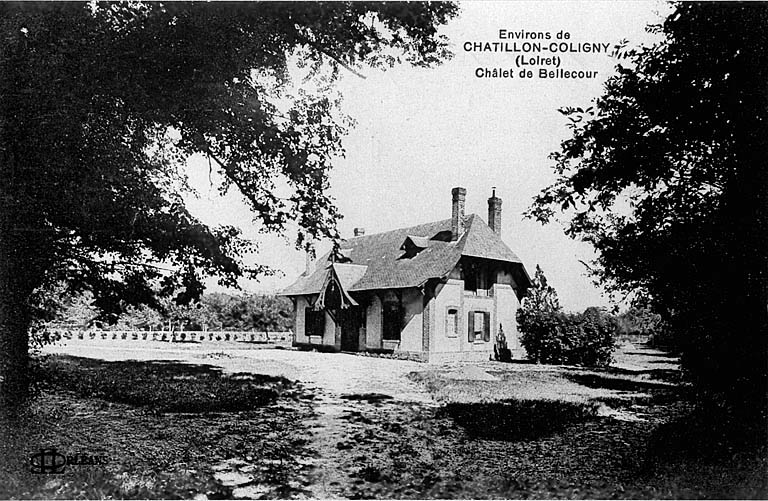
[434,292]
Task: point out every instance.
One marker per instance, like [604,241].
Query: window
[392,321]
[479,326]
[314,322]
[452,322]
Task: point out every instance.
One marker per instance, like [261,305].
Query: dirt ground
[367,427]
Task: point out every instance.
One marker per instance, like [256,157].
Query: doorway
[349,321]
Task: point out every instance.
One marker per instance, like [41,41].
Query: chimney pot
[458,198]
[494,212]
[359,232]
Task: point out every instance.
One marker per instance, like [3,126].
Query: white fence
[260,337]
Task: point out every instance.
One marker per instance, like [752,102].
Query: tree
[679,138]
[102,103]
[249,312]
[642,322]
[551,336]
[541,296]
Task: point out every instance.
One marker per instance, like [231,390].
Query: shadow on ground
[661,376]
[161,385]
[367,397]
[511,420]
[654,353]
[615,383]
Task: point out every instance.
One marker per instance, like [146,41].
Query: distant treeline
[215,311]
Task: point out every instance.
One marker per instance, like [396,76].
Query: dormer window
[412,245]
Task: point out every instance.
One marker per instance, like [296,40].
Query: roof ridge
[407,228]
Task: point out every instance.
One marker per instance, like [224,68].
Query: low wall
[210,337]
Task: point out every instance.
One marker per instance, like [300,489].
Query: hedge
[556,337]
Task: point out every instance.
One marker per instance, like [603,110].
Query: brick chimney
[359,232]
[458,196]
[494,212]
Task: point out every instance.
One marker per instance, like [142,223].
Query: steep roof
[387,266]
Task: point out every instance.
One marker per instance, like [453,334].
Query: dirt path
[359,405]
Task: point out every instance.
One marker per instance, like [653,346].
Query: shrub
[501,351]
[556,337]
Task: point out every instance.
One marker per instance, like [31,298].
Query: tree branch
[341,63]
[328,54]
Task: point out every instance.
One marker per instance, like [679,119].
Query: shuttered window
[479,326]
[314,322]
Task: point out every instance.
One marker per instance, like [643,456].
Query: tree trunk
[17,281]
[14,324]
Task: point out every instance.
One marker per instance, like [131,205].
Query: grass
[568,432]
[163,427]
[160,386]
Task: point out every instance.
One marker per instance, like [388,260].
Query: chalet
[433,292]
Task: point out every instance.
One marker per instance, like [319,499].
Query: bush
[501,351]
[555,337]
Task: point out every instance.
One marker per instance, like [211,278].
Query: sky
[421,132]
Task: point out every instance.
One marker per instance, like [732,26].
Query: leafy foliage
[214,311]
[541,296]
[557,337]
[665,175]
[252,312]
[643,323]
[102,103]
[552,336]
